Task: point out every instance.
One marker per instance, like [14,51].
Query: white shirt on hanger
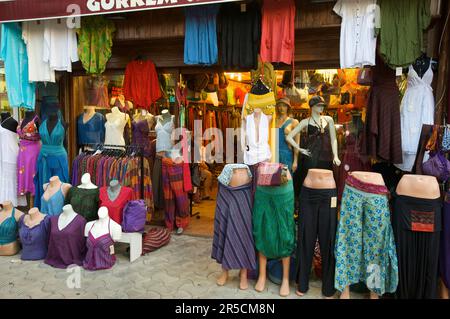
[60,45]
[33,36]
[358,40]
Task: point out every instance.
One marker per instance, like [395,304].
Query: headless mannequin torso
[86,182]
[114,190]
[8,122]
[240,177]
[89,112]
[422,64]
[100,227]
[33,218]
[54,186]
[66,217]
[319,179]
[162,120]
[419,186]
[29,116]
[369,177]
[13,248]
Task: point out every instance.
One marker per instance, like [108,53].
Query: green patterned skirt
[273,220]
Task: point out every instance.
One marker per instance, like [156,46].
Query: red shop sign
[21,10]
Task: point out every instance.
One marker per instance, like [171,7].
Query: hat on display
[284,100]
[317,101]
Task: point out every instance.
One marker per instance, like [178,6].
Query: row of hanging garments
[127,168]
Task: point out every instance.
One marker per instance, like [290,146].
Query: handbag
[155,239]
[365,76]
[270,174]
[134,216]
[437,165]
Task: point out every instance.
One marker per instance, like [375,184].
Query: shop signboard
[22,10]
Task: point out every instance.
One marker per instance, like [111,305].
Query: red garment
[141,84]
[278,31]
[239,95]
[187,181]
[115,208]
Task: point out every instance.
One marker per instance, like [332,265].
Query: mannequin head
[317,104]
[86,178]
[103,212]
[283,106]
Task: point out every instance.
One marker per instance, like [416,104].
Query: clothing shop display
[13,52]
[382,134]
[66,246]
[416,108]
[164,135]
[115,207]
[96,92]
[103,168]
[257,150]
[52,160]
[114,130]
[176,203]
[444,255]
[273,220]
[365,247]
[54,204]
[92,131]
[8,229]
[60,45]
[34,239]
[9,151]
[98,254]
[200,41]
[95,40]
[410,19]
[33,36]
[233,245]
[29,148]
[317,219]
[240,37]
[278,31]
[141,84]
[358,40]
[85,201]
[285,154]
[417,224]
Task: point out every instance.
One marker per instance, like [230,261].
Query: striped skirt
[233,244]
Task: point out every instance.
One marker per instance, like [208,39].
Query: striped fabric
[155,239]
[98,254]
[233,244]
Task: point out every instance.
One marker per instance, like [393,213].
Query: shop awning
[21,10]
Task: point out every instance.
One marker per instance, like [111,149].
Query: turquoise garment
[227,173]
[285,153]
[8,229]
[53,206]
[52,160]
[13,52]
[365,249]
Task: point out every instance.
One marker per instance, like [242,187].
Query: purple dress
[35,239]
[66,247]
[98,254]
[29,147]
[140,136]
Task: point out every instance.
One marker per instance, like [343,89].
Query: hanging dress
[52,160]
[416,108]
[29,148]
[9,150]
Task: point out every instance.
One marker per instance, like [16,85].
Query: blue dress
[52,160]
[91,132]
[285,153]
[200,41]
[13,51]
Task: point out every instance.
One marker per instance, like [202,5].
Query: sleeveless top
[257,151]
[114,131]
[8,229]
[282,143]
[53,143]
[30,131]
[140,135]
[53,206]
[98,254]
[164,135]
[318,143]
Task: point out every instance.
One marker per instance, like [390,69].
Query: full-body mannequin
[53,186]
[8,122]
[240,177]
[13,248]
[100,227]
[86,182]
[371,178]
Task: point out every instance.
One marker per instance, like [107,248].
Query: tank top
[257,151]
[318,143]
[8,229]
[53,206]
[164,135]
[282,144]
[98,254]
[30,131]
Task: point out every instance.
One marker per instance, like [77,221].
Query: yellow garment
[264,102]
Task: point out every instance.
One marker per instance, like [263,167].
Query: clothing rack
[138,150]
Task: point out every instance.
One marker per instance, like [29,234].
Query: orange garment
[278,31]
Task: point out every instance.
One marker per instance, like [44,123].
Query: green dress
[95,40]
[402,26]
[273,220]
[85,202]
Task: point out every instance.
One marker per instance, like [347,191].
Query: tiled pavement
[183,269]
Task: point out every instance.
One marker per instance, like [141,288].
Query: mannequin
[114,190]
[34,233]
[141,126]
[164,130]
[115,125]
[55,192]
[34,217]
[144,115]
[86,182]
[29,116]
[9,216]
[369,177]
[417,223]
[90,127]
[115,197]
[100,227]
[8,122]
[317,219]
[66,217]
[89,112]
[233,194]
[255,144]
[422,64]
[285,125]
